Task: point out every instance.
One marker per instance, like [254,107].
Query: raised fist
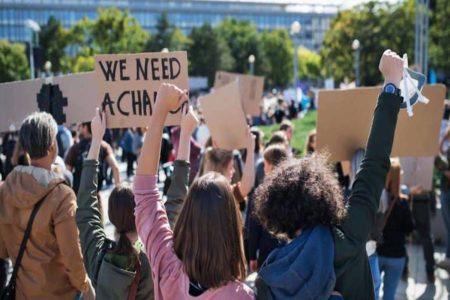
[391,66]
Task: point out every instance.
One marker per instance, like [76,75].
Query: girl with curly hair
[302,202]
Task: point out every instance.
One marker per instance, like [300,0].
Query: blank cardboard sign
[250,88]
[418,171]
[345,116]
[224,117]
[128,85]
[75,95]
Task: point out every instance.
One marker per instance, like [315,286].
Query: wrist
[394,81]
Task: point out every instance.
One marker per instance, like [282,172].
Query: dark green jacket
[353,276]
[110,278]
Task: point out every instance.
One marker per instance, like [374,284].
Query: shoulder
[239,290]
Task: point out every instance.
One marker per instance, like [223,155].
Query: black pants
[422,218]
[131,157]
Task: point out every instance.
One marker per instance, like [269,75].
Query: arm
[370,180]
[254,234]
[151,219]
[248,176]
[89,220]
[66,233]
[180,176]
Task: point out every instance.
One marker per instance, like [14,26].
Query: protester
[78,152]
[127,147]
[397,223]
[310,145]
[203,257]
[445,201]
[221,161]
[52,265]
[260,241]
[301,200]
[64,139]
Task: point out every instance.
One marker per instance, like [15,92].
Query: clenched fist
[391,66]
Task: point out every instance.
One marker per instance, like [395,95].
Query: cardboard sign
[345,116]
[224,117]
[128,85]
[70,99]
[250,88]
[418,171]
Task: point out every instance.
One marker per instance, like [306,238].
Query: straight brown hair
[215,160]
[208,233]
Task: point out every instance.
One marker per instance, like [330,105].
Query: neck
[132,236]
[44,163]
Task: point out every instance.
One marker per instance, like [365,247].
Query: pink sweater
[167,270]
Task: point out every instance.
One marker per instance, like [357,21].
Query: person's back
[52,265]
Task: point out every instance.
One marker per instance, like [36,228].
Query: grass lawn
[301,131]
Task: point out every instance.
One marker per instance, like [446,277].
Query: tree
[13,62]
[116,31]
[440,37]
[277,64]
[309,64]
[377,26]
[53,40]
[242,39]
[179,41]
[208,53]
[163,36]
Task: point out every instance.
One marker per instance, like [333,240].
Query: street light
[356,46]
[251,61]
[35,28]
[296,27]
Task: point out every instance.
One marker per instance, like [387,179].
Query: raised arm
[370,180]
[248,175]
[180,176]
[151,219]
[89,220]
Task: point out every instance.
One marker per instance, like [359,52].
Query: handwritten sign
[128,85]
[70,99]
[224,117]
[345,116]
[250,90]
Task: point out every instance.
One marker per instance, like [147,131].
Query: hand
[253,265]
[98,125]
[416,190]
[170,96]
[189,122]
[391,66]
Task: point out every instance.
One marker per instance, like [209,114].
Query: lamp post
[296,27]
[356,47]
[35,28]
[251,61]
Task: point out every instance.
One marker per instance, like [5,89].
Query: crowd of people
[197,219]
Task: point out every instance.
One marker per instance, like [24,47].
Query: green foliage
[302,128]
[53,40]
[208,53]
[440,37]
[163,36]
[179,41]
[13,62]
[378,26]
[309,64]
[116,31]
[242,39]
[277,63]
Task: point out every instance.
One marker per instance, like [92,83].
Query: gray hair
[37,133]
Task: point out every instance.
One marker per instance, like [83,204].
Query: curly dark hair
[299,194]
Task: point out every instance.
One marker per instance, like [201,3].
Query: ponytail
[125,247]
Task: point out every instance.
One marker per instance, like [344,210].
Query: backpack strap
[132,294]
[26,236]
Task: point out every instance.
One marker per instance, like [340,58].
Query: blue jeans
[445,208]
[376,275]
[392,268]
